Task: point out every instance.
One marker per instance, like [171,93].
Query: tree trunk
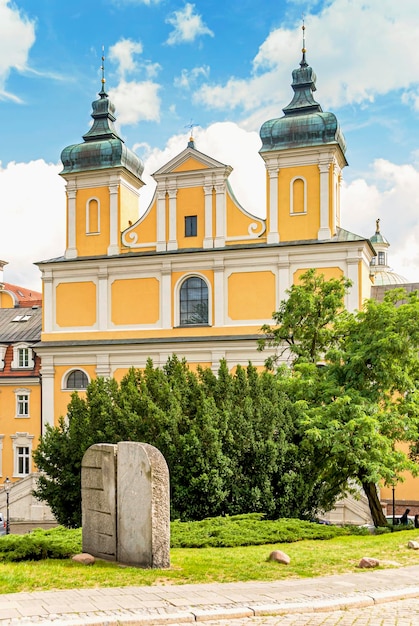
[374,504]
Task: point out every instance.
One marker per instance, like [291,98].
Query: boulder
[414,545]
[279,557]
[84,558]
[368,561]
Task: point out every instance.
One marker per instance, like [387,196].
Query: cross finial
[102,68]
[191,126]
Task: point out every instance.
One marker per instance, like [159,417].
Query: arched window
[92,217]
[298,196]
[77,380]
[193,302]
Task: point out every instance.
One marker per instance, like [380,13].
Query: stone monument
[126,504]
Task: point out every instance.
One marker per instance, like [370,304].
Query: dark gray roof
[28,328]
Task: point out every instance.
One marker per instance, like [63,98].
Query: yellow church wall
[91,244]
[299,226]
[160,333]
[135,301]
[190,202]
[251,295]
[184,330]
[145,230]
[6,301]
[190,164]
[128,201]
[407,490]
[328,272]
[76,304]
[238,222]
[62,396]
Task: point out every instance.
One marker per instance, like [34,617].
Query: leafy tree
[364,400]
[306,322]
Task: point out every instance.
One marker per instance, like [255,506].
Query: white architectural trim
[17,348]
[48,402]
[113,247]
[292,181]
[71,251]
[208,235]
[273,172]
[176,298]
[161,219]
[166,296]
[219,293]
[22,440]
[88,202]
[324,230]
[22,392]
[172,243]
[3,349]
[220,213]
[67,374]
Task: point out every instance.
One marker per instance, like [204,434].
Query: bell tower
[304,154]
[103,182]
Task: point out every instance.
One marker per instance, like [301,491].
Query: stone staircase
[23,506]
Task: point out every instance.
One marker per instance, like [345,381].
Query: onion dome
[102,148]
[304,123]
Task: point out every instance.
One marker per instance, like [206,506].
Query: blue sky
[225,67]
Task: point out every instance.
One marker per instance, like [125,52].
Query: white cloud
[123,53]
[187,25]
[354,66]
[33,219]
[188,78]
[389,192]
[136,101]
[17,35]
[135,2]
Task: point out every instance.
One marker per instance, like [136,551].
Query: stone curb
[211,612]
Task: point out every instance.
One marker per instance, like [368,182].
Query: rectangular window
[191,225]
[381,258]
[23,459]
[22,405]
[23,357]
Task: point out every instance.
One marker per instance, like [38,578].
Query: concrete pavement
[226,602]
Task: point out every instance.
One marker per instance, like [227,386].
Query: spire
[103,114]
[303,84]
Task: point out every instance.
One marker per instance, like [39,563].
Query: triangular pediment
[191,160]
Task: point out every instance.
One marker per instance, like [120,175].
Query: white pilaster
[216,357]
[353,297]
[324,230]
[113,247]
[161,220]
[47,373]
[166,296]
[103,367]
[48,302]
[283,280]
[219,299]
[172,243]
[273,233]
[71,251]
[208,236]
[220,214]
[103,304]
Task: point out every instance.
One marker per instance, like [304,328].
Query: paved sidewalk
[187,604]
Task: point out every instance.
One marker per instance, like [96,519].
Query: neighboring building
[196,275]
[381,273]
[20,389]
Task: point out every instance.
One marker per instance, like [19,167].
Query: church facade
[197,274]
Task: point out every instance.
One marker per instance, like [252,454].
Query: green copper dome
[102,148]
[304,123]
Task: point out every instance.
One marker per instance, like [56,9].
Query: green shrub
[57,543]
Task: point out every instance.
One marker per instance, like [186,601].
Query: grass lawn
[198,565]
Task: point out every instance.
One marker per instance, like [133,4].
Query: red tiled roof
[24,297]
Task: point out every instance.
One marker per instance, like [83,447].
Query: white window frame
[2,355]
[65,379]
[292,181]
[17,350]
[22,393]
[22,440]
[178,286]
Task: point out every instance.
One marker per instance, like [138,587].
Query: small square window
[191,225]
